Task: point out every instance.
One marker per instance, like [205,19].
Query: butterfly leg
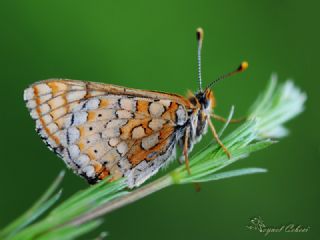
[214,132]
[185,149]
[186,158]
[222,119]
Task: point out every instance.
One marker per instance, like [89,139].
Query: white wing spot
[56,102]
[92,104]
[116,123]
[156,124]
[150,141]
[79,118]
[31,104]
[73,135]
[28,94]
[45,98]
[156,109]
[138,132]
[34,114]
[44,108]
[122,148]
[114,141]
[165,103]
[59,112]
[113,128]
[43,88]
[182,115]
[124,114]
[127,104]
[82,160]
[89,170]
[77,95]
[74,151]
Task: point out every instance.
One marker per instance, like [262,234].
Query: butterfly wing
[101,130]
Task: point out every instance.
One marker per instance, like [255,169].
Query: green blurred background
[151,45]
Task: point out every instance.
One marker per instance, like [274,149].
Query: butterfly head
[204,100]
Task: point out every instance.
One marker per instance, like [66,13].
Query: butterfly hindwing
[101,130]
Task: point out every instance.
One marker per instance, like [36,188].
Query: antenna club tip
[199,33]
[243,66]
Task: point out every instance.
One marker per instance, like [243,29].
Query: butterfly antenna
[243,66]
[199,39]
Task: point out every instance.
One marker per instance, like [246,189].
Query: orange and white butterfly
[102,129]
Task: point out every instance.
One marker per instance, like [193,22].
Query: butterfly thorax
[203,102]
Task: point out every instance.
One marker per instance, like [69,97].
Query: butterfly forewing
[101,130]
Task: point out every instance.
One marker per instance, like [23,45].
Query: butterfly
[103,130]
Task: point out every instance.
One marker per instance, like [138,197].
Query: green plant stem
[34,212]
[135,195]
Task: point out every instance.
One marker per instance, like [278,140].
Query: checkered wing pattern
[101,130]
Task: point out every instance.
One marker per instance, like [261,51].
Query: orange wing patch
[148,148]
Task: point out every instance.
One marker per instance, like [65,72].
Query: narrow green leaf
[232,173]
[35,211]
[70,232]
[88,195]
